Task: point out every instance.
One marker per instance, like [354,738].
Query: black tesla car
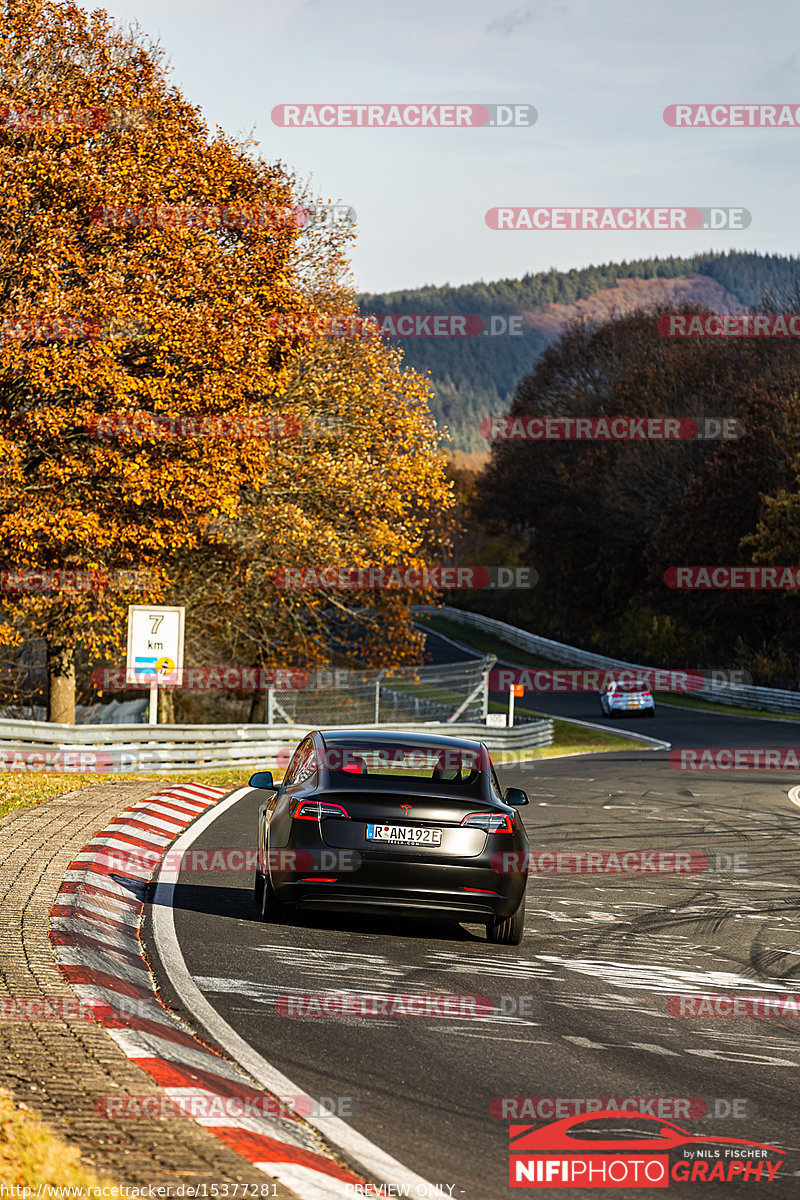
[388,822]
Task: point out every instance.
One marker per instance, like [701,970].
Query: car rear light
[491,822]
[482,891]
[317,879]
[314,810]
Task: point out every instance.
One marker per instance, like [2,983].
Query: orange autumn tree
[143,263]
[362,486]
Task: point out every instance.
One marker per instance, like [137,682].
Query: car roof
[396,737]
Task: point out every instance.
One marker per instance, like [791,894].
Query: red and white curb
[95,931]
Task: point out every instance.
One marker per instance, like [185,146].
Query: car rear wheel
[508,932]
[258,887]
[271,908]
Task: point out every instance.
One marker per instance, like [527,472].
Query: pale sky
[598,72]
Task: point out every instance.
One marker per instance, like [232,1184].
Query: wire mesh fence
[452,692]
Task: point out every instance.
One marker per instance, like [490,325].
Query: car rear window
[418,766]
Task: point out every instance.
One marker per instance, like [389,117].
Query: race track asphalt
[581,1010]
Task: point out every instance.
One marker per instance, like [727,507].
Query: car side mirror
[262,780]
[515,797]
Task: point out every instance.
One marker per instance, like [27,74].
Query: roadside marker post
[155,648]
[515,689]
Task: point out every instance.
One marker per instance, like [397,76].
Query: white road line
[358,1148]
[651,742]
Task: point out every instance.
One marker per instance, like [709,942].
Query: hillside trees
[474,377]
[602,521]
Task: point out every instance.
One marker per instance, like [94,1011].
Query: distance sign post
[155,648]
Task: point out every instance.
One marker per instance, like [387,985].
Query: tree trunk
[166,706]
[61,678]
[258,708]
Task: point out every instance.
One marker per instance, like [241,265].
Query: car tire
[258,887]
[651,712]
[508,932]
[272,910]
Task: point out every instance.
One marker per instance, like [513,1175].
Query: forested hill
[476,376]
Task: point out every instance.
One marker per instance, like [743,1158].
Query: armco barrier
[117,749]
[721,692]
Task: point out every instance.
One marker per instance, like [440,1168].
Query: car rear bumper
[385,887]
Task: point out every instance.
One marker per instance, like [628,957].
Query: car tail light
[314,810]
[491,822]
[317,879]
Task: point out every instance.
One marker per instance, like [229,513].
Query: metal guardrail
[118,749]
[720,691]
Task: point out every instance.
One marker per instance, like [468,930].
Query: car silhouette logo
[557,1136]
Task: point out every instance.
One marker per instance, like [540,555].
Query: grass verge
[723,709]
[21,789]
[33,1157]
[568,738]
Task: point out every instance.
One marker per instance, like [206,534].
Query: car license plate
[404,835]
